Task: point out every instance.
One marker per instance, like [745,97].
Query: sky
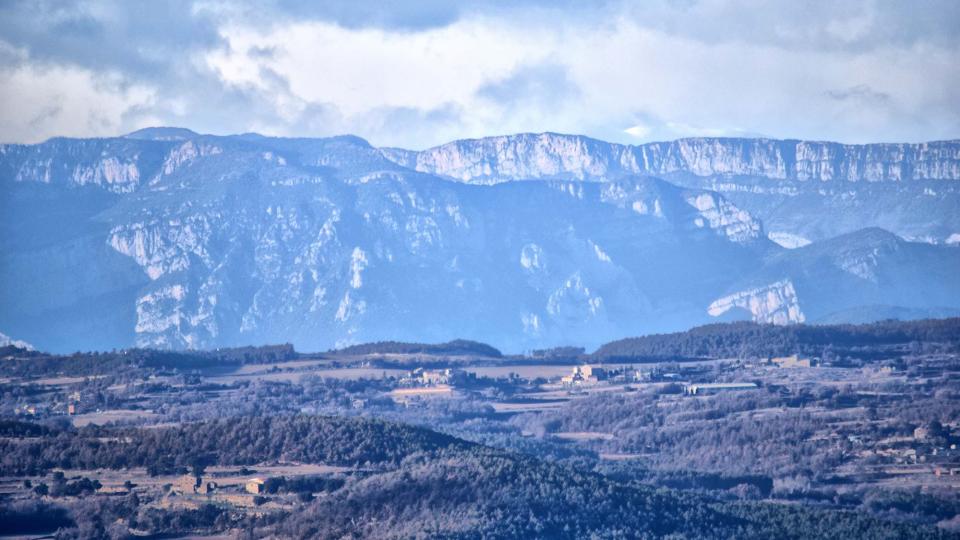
[417,74]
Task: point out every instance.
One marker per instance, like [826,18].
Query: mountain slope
[170,239]
[814,190]
[851,273]
[524,156]
[552,155]
[418,483]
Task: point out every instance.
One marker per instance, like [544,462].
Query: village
[868,417]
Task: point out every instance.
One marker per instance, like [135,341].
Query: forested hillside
[456,347]
[415,483]
[746,339]
[237,441]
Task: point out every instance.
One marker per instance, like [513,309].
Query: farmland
[870,429]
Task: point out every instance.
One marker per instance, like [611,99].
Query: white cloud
[41,102]
[661,71]
[694,88]
[640,131]
[361,70]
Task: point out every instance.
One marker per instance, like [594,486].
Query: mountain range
[171,239]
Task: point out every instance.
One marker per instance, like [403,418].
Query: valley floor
[268,442]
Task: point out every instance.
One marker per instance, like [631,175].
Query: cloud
[143,40]
[860,92]
[686,130]
[78,102]
[540,85]
[420,73]
[407,16]
[814,25]
[640,131]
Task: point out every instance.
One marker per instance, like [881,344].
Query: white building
[713,388]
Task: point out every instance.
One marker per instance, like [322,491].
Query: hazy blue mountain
[168,238]
[862,276]
[543,155]
[802,190]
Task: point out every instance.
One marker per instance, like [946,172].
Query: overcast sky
[416,74]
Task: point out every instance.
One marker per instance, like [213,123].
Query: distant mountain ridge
[168,238]
[552,155]
[802,190]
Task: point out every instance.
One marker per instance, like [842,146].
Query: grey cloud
[262,53]
[815,24]
[413,15]
[416,15]
[146,40]
[317,119]
[138,43]
[49,112]
[860,92]
[410,127]
[545,84]
[156,44]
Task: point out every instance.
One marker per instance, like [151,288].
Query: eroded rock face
[116,165]
[525,156]
[189,151]
[776,303]
[722,216]
[550,155]
[117,175]
[574,300]
[164,246]
[807,189]
[788,240]
[324,242]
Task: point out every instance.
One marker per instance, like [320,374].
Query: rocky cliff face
[776,303]
[802,190]
[118,165]
[550,155]
[171,239]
